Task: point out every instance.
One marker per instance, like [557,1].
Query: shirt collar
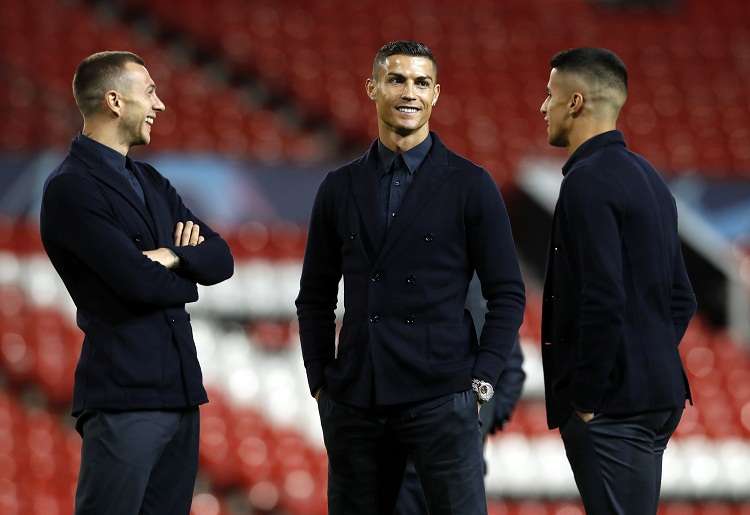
[412,157]
[109,156]
[591,145]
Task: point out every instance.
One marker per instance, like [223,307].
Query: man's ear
[437,95]
[113,102]
[370,88]
[575,105]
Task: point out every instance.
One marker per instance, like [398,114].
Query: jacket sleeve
[509,387]
[591,208]
[77,218]
[318,294]
[683,304]
[492,253]
[208,263]
[510,384]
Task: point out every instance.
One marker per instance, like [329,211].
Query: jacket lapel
[153,207]
[116,182]
[429,177]
[364,179]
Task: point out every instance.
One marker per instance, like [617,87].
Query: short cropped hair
[97,74]
[403,47]
[597,65]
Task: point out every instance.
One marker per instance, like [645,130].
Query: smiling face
[404,90]
[139,105]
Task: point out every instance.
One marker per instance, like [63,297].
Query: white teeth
[407,109]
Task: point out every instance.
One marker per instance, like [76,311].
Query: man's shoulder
[345,169]
[70,173]
[464,165]
[612,160]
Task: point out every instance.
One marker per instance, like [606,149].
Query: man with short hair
[617,298]
[406,224]
[130,254]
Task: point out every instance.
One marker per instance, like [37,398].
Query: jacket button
[411,280]
[555,250]
[428,237]
[409,320]
[374,318]
[352,235]
[137,239]
[171,320]
[376,276]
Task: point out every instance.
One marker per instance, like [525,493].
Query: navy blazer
[138,351]
[617,298]
[406,334]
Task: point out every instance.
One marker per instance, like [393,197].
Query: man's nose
[408,91]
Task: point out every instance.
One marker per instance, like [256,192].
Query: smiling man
[130,254]
[407,225]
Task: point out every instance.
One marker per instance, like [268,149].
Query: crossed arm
[185,234]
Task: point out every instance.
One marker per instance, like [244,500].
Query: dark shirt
[112,158]
[396,173]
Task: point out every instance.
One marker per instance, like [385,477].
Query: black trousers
[411,499]
[137,462]
[616,460]
[367,453]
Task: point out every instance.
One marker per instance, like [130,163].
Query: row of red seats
[495,52]
[203,114]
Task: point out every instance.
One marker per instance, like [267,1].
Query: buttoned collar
[412,157]
[109,156]
[591,145]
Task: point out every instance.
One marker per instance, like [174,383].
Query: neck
[401,143]
[586,131]
[106,134]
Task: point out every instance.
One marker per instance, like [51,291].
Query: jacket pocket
[451,345]
[137,354]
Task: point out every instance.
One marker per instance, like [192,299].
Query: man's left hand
[586,417]
[187,234]
[163,256]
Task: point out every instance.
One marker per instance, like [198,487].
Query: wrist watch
[483,389]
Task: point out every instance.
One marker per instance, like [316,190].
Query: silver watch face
[485,392]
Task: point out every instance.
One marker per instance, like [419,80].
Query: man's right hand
[187,234]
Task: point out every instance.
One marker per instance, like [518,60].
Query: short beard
[559,140]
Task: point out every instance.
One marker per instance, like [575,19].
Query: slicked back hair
[403,47]
[96,75]
[597,66]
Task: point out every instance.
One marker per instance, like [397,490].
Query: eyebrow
[400,76]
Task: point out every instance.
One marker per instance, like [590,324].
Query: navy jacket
[617,298]
[406,334]
[138,351]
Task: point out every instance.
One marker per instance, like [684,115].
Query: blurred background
[264,97]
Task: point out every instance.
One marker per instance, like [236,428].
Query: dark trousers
[137,462]
[616,460]
[367,453]
[411,499]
